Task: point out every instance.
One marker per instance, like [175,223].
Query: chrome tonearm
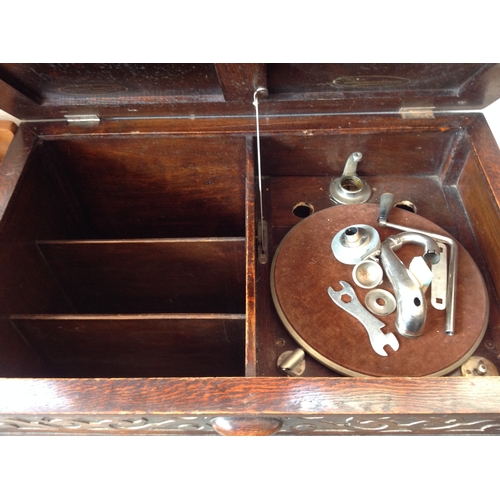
[386,204]
[411,305]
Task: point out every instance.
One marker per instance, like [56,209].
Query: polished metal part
[380,302]
[477,366]
[411,305]
[367,274]
[292,362]
[439,280]
[354,243]
[412,113]
[349,188]
[82,119]
[386,204]
[421,271]
[373,326]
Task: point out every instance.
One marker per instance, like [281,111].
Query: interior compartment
[432,171]
[126,257]
[134,256]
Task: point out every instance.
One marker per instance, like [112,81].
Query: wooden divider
[161,345]
[190,275]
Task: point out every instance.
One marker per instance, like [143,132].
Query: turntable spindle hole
[302,210]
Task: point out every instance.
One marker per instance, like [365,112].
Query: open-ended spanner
[378,339]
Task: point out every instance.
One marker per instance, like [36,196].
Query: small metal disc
[367,274]
[477,366]
[380,302]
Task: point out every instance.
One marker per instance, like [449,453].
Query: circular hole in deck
[303,210]
[406,205]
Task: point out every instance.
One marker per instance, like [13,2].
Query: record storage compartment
[131,293]
[127,258]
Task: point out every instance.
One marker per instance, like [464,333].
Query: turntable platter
[304,267]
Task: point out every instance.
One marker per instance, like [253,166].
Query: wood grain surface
[203,275]
[132,90]
[138,346]
[266,396]
[162,187]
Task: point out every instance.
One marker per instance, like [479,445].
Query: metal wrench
[378,339]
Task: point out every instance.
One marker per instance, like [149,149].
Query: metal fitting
[349,188]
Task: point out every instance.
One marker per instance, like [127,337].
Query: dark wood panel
[250,261]
[64,83]
[480,197]
[18,103]
[383,154]
[138,346]
[285,123]
[32,211]
[26,285]
[424,192]
[239,81]
[34,91]
[131,187]
[486,153]
[151,276]
[484,217]
[373,80]
[369,397]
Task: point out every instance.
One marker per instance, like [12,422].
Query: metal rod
[262,227]
[259,168]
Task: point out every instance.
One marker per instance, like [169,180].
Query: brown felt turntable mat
[304,267]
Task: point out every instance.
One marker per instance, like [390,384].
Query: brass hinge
[82,119]
[416,113]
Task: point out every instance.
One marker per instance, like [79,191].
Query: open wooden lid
[52,91]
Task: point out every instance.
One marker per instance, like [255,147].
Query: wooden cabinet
[132,298]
